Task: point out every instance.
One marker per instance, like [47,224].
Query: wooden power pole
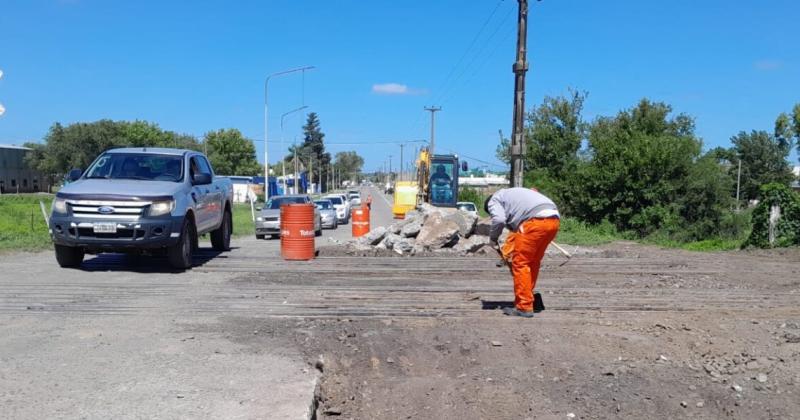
[433,110]
[520,68]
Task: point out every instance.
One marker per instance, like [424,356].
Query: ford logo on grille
[105,210]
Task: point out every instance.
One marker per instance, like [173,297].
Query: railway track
[237,284]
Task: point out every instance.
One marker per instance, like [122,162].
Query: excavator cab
[443,181]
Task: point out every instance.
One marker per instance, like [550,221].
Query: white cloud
[395,89]
[768,65]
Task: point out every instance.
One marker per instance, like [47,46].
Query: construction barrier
[360,221]
[297,231]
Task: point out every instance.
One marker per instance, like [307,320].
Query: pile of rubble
[429,230]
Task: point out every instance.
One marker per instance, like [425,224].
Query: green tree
[76,145]
[349,164]
[314,147]
[764,160]
[639,163]
[145,134]
[553,134]
[231,153]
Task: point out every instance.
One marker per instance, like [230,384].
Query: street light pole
[283,161]
[266,121]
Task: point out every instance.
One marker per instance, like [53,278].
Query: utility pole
[390,168]
[520,68]
[433,110]
[401,161]
[738,183]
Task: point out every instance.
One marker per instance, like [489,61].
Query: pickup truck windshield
[144,167]
[276,203]
[335,200]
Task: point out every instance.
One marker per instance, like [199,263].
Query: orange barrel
[360,217]
[297,231]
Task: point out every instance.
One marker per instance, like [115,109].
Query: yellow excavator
[436,183]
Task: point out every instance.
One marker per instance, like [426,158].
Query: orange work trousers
[524,251]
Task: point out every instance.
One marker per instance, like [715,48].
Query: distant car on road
[355,198]
[268,221]
[327,214]
[342,207]
[142,200]
[467,206]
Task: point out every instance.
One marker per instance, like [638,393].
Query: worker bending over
[533,220]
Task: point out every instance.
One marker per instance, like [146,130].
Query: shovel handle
[563,251]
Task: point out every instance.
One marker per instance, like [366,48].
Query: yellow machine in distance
[436,183]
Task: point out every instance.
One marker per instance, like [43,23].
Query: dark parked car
[327,214]
[268,221]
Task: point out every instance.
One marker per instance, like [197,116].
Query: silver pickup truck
[139,200]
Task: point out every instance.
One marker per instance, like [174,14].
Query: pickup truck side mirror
[74,175]
[258,208]
[201,179]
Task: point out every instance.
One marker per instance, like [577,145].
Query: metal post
[266,122]
[520,68]
[283,161]
[433,110]
[738,183]
[296,185]
[401,161]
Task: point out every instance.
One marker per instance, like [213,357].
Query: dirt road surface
[630,331]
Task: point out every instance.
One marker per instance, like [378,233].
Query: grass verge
[22,226]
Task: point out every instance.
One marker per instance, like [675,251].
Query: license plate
[105,228]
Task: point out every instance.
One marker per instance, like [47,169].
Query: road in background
[126,337]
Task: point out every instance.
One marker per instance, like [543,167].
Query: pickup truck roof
[154,150]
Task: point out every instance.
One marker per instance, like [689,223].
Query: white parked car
[342,207]
[355,198]
[467,206]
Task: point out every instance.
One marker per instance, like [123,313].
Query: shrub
[787,229]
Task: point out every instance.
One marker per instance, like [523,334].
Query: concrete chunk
[437,233]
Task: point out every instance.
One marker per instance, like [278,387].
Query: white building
[489,180]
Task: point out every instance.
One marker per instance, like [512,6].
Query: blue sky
[197,66]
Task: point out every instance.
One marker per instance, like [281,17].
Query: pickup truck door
[201,194]
[216,201]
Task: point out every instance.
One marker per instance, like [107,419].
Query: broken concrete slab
[466,221]
[437,233]
[471,244]
[413,227]
[374,236]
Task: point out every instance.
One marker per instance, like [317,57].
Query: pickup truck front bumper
[145,233]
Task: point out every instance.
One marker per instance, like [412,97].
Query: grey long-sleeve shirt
[513,206]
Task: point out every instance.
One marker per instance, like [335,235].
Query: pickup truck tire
[221,237]
[68,256]
[180,254]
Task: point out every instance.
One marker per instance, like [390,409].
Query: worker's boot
[516,312]
[538,303]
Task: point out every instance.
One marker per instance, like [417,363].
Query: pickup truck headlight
[59,206]
[160,208]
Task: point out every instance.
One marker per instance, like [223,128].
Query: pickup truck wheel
[180,254]
[221,237]
[68,256]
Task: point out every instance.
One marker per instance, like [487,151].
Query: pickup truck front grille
[122,210]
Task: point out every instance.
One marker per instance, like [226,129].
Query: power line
[374,142]
[469,47]
[496,165]
[418,121]
[477,55]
